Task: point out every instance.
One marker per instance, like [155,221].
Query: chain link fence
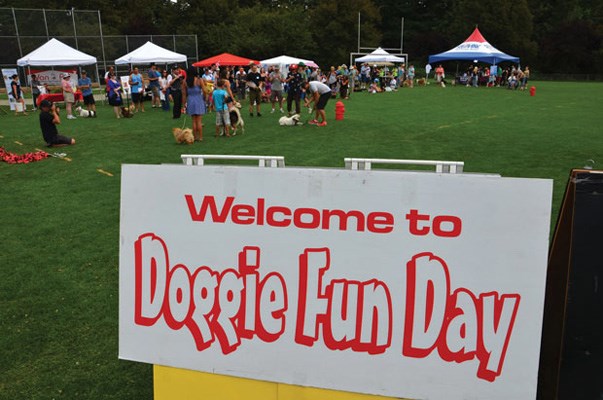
[24,30]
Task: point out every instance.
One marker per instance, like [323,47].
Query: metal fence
[24,30]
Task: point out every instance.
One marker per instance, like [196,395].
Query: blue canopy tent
[475,47]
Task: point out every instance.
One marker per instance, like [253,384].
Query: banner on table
[402,284]
[53,77]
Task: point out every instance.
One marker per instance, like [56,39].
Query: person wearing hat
[277,80]
[68,95]
[302,70]
[295,82]
[353,78]
[85,83]
[49,119]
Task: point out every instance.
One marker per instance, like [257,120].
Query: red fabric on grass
[14,158]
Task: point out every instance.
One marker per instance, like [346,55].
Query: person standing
[192,94]
[49,119]
[276,79]
[365,75]
[164,94]
[294,83]
[411,75]
[35,90]
[137,89]
[353,79]
[68,95]
[320,95]
[114,93]
[344,82]
[255,84]
[525,77]
[332,80]
[439,73]
[176,92]
[240,80]
[155,87]
[15,91]
[85,84]
[110,71]
[220,105]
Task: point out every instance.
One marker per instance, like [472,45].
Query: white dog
[85,113]
[290,121]
[236,121]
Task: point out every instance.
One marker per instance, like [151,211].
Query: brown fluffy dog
[421,82]
[183,135]
[126,112]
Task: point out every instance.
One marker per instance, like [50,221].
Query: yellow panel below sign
[181,384]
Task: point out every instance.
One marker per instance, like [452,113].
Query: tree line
[553,36]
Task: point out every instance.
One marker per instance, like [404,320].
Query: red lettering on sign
[460,325]
[281,216]
[355,315]
[439,225]
[211,305]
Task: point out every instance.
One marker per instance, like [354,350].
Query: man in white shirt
[319,93]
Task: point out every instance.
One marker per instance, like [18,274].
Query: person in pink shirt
[68,95]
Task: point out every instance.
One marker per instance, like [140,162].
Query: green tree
[506,24]
[422,30]
[570,35]
[333,24]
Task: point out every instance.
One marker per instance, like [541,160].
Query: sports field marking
[104,172]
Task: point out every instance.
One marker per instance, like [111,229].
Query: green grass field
[60,219]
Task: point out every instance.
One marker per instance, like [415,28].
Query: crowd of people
[512,77]
[197,92]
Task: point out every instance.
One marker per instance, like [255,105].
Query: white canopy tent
[285,61]
[380,56]
[56,53]
[151,53]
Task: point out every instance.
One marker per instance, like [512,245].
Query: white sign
[125,83]
[7,74]
[415,285]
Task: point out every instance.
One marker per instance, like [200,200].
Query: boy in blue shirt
[85,85]
[220,105]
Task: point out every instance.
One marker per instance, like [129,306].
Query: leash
[184,121]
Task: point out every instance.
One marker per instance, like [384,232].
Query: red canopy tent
[226,59]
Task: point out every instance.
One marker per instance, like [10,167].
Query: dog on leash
[236,121]
[85,113]
[183,135]
[421,82]
[290,121]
